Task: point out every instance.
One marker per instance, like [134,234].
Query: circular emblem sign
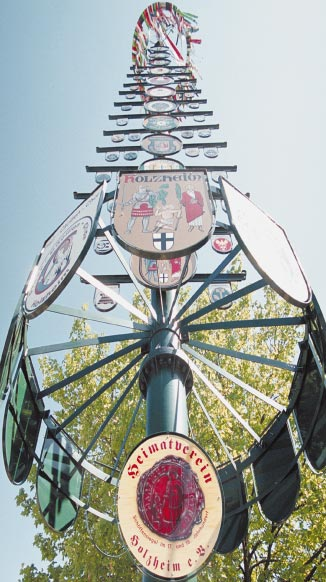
[160,70]
[161,144]
[161,164]
[160,106]
[160,92]
[160,123]
[160,80]
[170,506]
[222,244]
[62,254]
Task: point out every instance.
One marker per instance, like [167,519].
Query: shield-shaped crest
[163,241]
[103,302]
[163,214]
[218,291]
[164,273]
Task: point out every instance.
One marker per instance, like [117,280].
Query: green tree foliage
[291,551]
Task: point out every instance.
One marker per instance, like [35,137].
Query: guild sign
[162,80]
[62,254]
[160,123]
[160,106]
[163,214]
[161,164]
[161,144]
[160,92]
[170,506]
[164,274]
[103,302]
[266,245]
[218,291]
[222,244]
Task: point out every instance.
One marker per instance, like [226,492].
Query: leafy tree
[291,551]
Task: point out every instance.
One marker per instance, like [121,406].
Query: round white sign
[170,506]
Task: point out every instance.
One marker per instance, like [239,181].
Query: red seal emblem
[169,499]
[222,244]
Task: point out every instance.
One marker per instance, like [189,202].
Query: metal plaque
[126,107]
[193,105]
[160,106]
[160,123]
[122,121]
[163,273]
[62,254]
[163,214]
[161,144]
[160,92]
[222,243]
[199,118]
[266,246]
[103,302]
[174,511]
[129,96]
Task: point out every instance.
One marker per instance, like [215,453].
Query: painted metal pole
[166,404]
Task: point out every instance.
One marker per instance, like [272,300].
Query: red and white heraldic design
[170,506]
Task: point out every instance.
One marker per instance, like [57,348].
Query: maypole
[174,503]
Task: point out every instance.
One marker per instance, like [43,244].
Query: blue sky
[62,65]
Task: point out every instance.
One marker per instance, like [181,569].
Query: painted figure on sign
[166,215]
[193,202]
[151,269]
[142,207]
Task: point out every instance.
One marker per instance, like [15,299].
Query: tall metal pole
[167,377]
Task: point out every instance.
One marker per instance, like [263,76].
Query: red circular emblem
[169,498]
[222,244]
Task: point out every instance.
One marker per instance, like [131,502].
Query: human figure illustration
[193,202]
[166,215]
[142,207]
